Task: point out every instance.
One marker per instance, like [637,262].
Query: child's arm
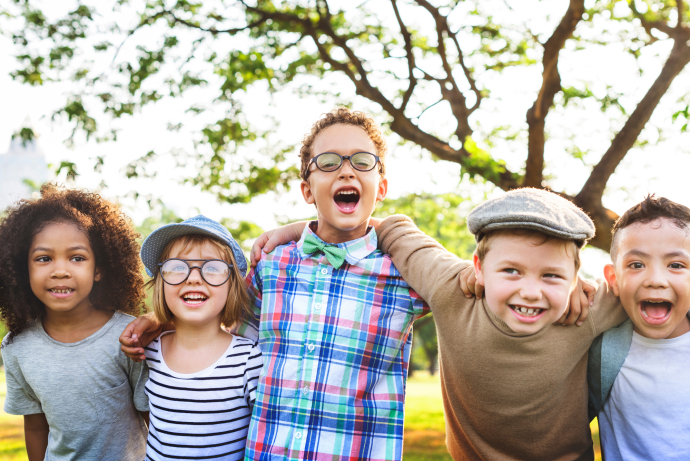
[36,436]
[426,266]
[271,239]
[139,333]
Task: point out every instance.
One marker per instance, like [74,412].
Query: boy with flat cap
[514,384]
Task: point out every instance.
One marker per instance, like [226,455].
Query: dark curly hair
[112,238]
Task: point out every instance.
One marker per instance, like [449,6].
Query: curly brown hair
[345,116]
[112,238]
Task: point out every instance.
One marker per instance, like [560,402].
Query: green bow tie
[335,255]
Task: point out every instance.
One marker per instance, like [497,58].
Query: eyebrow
[636,253]
[672,254]
[74,248]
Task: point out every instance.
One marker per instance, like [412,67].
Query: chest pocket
[112,404]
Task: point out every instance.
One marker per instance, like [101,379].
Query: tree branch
[679,32]
[551,84]
[410,56]
[592,191]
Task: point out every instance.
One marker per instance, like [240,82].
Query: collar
[356,249]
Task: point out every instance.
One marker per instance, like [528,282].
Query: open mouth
[527,314]
[194,299]
[655,312]
[347,200]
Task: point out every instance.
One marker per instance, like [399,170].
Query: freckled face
[651,275]
[62,267]
[345,198]
[527,283]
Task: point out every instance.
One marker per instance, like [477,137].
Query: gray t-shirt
[88,390]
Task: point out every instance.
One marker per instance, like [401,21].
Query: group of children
[306,356]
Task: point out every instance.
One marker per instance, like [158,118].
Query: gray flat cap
[535,209]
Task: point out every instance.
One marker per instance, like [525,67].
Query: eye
[553,276]
[78,259]
[43,259]
[511,271]
[677,266]
[636,265]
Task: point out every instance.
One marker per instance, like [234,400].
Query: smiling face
[651,275]
[527,281]
[62,268]
[194,301]
[345,198]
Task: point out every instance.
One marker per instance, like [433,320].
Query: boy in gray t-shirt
[89,391]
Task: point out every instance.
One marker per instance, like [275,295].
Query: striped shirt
[203,415]
[336,345]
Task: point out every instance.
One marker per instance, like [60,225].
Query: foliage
[408,58]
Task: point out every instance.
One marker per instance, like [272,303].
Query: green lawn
[424,424]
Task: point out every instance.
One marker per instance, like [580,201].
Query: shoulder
[23,339]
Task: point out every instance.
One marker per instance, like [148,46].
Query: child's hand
[581,299]
[138,334]
[271,239]
[468,283]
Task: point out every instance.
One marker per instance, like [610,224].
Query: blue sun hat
[155,243]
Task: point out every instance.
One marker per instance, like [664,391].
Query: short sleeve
[419,306]
[249,328]
[138,376]
[20,398]
[251,375]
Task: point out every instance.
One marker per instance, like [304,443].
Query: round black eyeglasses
[175,271]
[330,161]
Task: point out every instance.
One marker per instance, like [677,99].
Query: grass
[425,436]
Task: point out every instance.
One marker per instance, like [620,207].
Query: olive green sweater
[506,396]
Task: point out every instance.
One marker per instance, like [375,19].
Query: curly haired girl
[69,275]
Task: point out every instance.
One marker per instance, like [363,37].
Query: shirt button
[298,435]
[310,347]
[317,306]
[324,271]
[305,390]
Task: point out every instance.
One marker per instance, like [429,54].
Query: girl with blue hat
[203,379]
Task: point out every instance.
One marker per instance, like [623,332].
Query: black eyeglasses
[175,271]
[330,161]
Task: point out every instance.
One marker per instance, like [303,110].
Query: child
[639,372]
[69,274]
[202,382]
[335,314]
[513,384]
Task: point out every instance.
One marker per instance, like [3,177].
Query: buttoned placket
[319,300]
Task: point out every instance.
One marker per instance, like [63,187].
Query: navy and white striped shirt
[203,415]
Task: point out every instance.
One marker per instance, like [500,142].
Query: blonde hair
[484,244]
[237,305]
[344,116]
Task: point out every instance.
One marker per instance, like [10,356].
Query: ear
[478,269]
[307,193]
[97,275]
[383,189]
[610,276]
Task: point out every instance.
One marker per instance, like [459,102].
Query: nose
[656,277]
[195,275]
[60,270]
[346,171]
[530,290]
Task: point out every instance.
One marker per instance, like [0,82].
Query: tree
[385,50]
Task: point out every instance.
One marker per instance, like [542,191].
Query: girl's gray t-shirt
[89,391]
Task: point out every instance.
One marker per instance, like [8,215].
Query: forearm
[36,436]
[421,260]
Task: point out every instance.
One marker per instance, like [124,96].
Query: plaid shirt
[336,345]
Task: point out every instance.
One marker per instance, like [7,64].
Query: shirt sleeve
[249,328]
[607,310]
[20,398]
[138,375]
[419,306]
[251,375]
[431,270]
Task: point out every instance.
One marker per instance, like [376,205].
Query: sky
[660,166]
